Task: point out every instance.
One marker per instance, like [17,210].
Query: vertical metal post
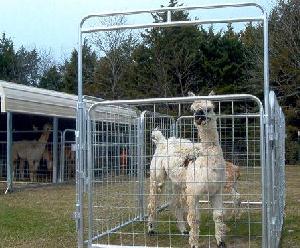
[232,130]
[9,165]
[90,179]
[62,157]
[267,164]
[141,165]
[80,150]
[55,149]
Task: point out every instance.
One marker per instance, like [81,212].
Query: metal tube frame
[264,121]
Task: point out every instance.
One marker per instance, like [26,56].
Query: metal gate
[251,141]
[117,205]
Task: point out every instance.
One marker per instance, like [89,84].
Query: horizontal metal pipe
[178,8]
[122,246]
[172,24]
[232,202]
[113,229]
[224,116]
[187,99]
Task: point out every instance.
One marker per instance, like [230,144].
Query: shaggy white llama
[207,174]
[170,159]
[32,151]
[183,152]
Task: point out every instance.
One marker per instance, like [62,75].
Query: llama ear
[190,93]
[212,93]
[156,128]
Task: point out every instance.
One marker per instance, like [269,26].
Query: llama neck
[44,137]
[209,134]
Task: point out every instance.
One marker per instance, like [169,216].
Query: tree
[8,59]
[114,49]
[166,58]
[27,71]
[70,69]
[285,67]
[51,79]
[285,48]
[19,67]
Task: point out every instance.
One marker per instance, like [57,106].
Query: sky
[52,25]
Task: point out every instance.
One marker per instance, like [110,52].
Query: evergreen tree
[52,79]
[70,75]
[27,67]
[8,59]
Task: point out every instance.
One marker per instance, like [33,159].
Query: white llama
[170,160]
[207,174]
[183,152]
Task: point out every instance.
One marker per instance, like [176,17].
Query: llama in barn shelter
[32,151]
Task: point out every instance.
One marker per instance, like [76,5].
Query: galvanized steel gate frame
[272,118]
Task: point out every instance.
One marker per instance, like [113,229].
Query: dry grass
[38,217]
[41,217]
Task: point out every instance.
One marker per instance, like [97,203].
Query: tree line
[165,62]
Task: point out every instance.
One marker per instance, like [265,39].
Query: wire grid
[119,197]
[45,167]
[278,170]
[3,159]
[68,156]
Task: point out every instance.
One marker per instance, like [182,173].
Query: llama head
[203,111]
[157,136]
[47,127]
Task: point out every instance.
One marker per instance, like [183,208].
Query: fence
[67,156]
[245,146]
[44,165]
[118,201]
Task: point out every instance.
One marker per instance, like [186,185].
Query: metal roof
[19,98]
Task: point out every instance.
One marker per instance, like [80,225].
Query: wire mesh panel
[32,156]
[114,176]
[277,131]
[68,156]
[3,161]
[145,173]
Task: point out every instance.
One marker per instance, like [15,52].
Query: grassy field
[41,217]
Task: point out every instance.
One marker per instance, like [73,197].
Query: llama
[169,161]
[185,152]
[207,174]
[47,156]
[32,151]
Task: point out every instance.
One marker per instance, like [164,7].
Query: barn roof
[19,98]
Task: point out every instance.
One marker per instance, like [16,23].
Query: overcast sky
[53,24]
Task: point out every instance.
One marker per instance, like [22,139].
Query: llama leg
[31,170]
[193,219]
[152,204]
[218,216]
[21,168]
[236,201]
[178,205]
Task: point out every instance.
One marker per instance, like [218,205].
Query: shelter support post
[55,149]
[9,164]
